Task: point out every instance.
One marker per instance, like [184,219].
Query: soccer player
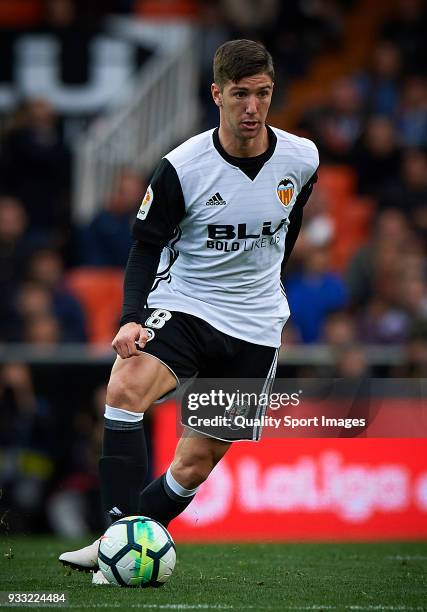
[202,292]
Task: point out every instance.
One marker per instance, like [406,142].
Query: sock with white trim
[124,462]
[164,499]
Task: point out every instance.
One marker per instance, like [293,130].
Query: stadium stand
[351,76]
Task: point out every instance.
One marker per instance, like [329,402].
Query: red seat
[352,214]
[167,8]
[20,13]
[100,291]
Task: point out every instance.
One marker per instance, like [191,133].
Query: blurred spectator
[311,27]
[351,362]
[107,239]
[213,32]
[46,267]
[16,389]
[353,371]
[337,126]
[26,447]
[382,322]
[42,330]
[31,300]
[44,316]
[36,167]
[313,293]
[59,15]
[379,86]
[339,329]
[34,321]
[378,156]
[380,256]
[411,119]
[415,361]
[407,28]
[15,250]
[74,28]
[318,229]
[419,218]
[250,20]
[74,509]
[413,297]
[318,223]
[408,189]
[399,295]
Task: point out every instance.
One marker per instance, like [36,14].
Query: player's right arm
[160,212]
[127,338]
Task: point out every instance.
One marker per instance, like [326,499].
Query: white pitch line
[406,558]
[154,606]
[381,607]
[356,608]
[179,606]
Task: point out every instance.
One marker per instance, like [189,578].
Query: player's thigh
[135,383]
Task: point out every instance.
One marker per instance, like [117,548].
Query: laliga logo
[145,204]
[352,491]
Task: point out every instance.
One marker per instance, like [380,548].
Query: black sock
[160,503]
[122,467]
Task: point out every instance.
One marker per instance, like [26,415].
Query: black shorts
[190,347]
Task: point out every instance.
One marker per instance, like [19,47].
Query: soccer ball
[137,551]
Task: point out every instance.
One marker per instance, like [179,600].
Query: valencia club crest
[285,191]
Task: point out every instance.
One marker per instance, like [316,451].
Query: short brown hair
[237,59]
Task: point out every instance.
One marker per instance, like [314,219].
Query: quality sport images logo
[219,410]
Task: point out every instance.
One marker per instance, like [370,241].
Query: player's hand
[127,338]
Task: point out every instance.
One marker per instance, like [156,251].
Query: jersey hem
[219,328]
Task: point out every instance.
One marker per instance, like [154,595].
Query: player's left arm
[295,218]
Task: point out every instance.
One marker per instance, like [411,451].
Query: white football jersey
[223,263]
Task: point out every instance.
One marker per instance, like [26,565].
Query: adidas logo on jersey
[216,200]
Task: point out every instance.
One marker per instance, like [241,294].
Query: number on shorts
[158,318]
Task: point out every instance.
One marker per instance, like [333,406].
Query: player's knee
[121,393]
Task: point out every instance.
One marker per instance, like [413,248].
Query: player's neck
[250,147]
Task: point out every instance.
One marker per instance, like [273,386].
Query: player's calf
[170,494]
[164,499]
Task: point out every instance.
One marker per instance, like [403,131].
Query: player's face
[244,105]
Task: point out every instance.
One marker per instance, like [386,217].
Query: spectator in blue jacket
[313,293]
[107,239]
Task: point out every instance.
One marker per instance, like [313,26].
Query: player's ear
[216,94]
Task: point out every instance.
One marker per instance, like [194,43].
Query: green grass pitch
[373,577]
